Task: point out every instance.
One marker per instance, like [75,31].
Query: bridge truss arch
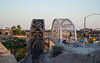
[63,29]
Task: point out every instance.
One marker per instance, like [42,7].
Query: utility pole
[85,24]
[99,38]
[84,29]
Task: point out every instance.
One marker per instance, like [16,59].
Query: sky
[21,12]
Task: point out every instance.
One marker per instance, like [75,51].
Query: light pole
[85,24]
[99,38]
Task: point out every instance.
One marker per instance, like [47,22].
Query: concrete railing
[54,41]
[80,50]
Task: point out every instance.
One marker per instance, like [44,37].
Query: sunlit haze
[14,12]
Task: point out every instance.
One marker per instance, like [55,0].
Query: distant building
[89,30]
[5,31]
[90,33]
[86,29]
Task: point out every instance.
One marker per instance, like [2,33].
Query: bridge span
[62,29]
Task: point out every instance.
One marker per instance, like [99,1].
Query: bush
[21,53]
[56,50]
[91,41]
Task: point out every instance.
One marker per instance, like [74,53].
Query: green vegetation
[0,32]
[28,34]
[91,41]
[7,44]
[19,27]
[18,48]
[56,50]
[23,32]
[13,28]
[17,30]
[79,36]
[21,53]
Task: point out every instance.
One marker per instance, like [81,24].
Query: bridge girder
[59,26]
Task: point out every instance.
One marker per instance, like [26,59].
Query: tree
[13,27]
[23,32]
[19,27]
[0,32]
[21,51]
[79,36]
[28,34]
[17,31]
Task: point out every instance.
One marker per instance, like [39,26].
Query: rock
[67,57]
[6,56]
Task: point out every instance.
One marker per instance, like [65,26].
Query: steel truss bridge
[62,29]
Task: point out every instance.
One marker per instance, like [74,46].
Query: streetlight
[85,24]
[99,38]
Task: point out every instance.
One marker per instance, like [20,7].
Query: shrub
[91,41]
[56,50]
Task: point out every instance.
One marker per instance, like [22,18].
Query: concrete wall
[80,50]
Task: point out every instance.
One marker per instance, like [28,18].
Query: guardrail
[82,45]
[79,48]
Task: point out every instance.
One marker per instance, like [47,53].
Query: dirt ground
[67,57]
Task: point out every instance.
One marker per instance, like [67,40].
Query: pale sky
[14,12]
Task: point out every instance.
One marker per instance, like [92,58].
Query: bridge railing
[82,45]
